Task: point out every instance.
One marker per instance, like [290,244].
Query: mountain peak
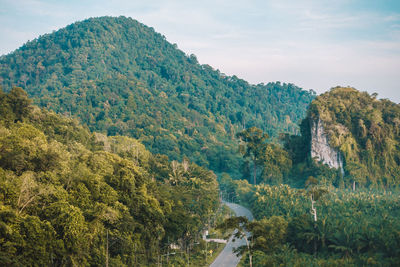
[119,76]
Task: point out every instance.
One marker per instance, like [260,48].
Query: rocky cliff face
[320,148]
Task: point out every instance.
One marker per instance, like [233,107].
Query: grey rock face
[320,148]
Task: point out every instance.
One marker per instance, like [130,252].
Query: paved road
[227,258]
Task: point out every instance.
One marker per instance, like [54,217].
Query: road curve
[227,258]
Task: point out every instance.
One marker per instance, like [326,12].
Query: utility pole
[135,255]
[206,250]
[168,252]
[107,250]
[189,256]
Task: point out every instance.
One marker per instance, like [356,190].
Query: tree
[275,162]
[242,226]
[268,234]
[265,235]
[315,193]
[254,146]
[19,103]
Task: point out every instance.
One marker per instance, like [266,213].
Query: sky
[314,44]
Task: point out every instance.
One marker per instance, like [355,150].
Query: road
[227,258]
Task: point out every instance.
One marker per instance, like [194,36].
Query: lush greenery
[264,161]
[323,220]
[69,197]
[365,130]
[358,228]
[120,77]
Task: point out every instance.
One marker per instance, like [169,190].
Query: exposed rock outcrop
[320,148]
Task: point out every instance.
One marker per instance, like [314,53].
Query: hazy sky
[314,44]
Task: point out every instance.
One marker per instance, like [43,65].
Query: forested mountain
[120,77]
[365,131]
[358,138]
[69,197]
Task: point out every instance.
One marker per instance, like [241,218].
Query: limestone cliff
[320,148]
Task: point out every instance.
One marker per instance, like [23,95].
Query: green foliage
[321,225]
[17,102]
[69,197]
[255,141]
[269,234]
[353,228]
[366,132]
[254,146]
[120,77]
[274,162]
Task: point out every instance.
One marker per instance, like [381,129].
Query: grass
[216,251]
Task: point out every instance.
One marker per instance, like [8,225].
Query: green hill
[120,77]
[364,130]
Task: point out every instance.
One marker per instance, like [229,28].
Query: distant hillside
[120,77]
[364,130]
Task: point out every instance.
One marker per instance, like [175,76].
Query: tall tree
[19,103]
[255,144]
